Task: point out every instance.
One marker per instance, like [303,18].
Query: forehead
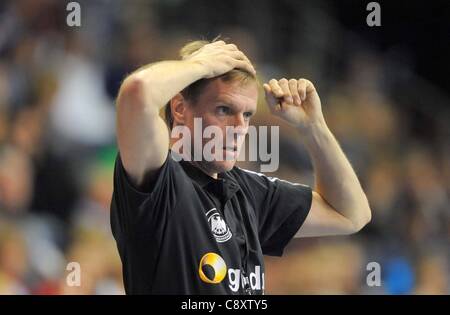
[234,93]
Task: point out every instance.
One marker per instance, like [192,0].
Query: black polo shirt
[189,233]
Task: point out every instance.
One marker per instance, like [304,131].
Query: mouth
[230,152]
[230,148]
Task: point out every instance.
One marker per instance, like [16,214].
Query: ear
[178,107]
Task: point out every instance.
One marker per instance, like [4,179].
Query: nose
[240,125]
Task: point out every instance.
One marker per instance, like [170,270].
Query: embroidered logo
[218,226]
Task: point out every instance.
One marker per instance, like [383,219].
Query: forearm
[335,179]
[161,81]
[142,136]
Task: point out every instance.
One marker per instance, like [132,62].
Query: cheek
[188,118]
[240,140]
[212,120]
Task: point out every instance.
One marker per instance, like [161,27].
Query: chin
[222,166]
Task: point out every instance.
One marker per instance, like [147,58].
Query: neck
[200,166]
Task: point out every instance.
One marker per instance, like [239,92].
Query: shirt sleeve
[281,208]
[132,208]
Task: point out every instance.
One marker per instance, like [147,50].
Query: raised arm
[142,135]
[339,204]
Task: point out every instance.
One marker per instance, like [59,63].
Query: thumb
[271,100]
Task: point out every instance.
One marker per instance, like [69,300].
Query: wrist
[199,68]
[315,133]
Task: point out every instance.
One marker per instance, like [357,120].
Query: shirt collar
[224,186]
[197,174]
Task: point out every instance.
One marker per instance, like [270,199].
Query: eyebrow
[232,105]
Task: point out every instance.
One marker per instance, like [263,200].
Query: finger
[238,55]
[218,43]
[246,58]
[241,64]
[237,58]
[301,86]
[284,84]
[309,86]
[276,89]
[294,91]
[230,47]
[272,101]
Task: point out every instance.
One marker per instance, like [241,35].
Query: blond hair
[193,91]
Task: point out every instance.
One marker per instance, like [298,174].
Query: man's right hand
[218,58]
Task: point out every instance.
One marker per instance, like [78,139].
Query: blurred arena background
[385,93]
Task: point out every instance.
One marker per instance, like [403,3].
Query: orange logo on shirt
[212,268]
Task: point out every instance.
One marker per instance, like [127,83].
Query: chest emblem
[219,227]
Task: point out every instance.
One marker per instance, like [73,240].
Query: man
[202,227]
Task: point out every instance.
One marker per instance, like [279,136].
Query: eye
[248,115]
[223,110]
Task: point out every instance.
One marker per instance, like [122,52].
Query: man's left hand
[295,101]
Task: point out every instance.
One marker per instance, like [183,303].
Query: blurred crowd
[57,142]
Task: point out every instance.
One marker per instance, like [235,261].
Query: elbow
[132,89]
[367,213]
[135,98]
[134,95]
[365,219]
